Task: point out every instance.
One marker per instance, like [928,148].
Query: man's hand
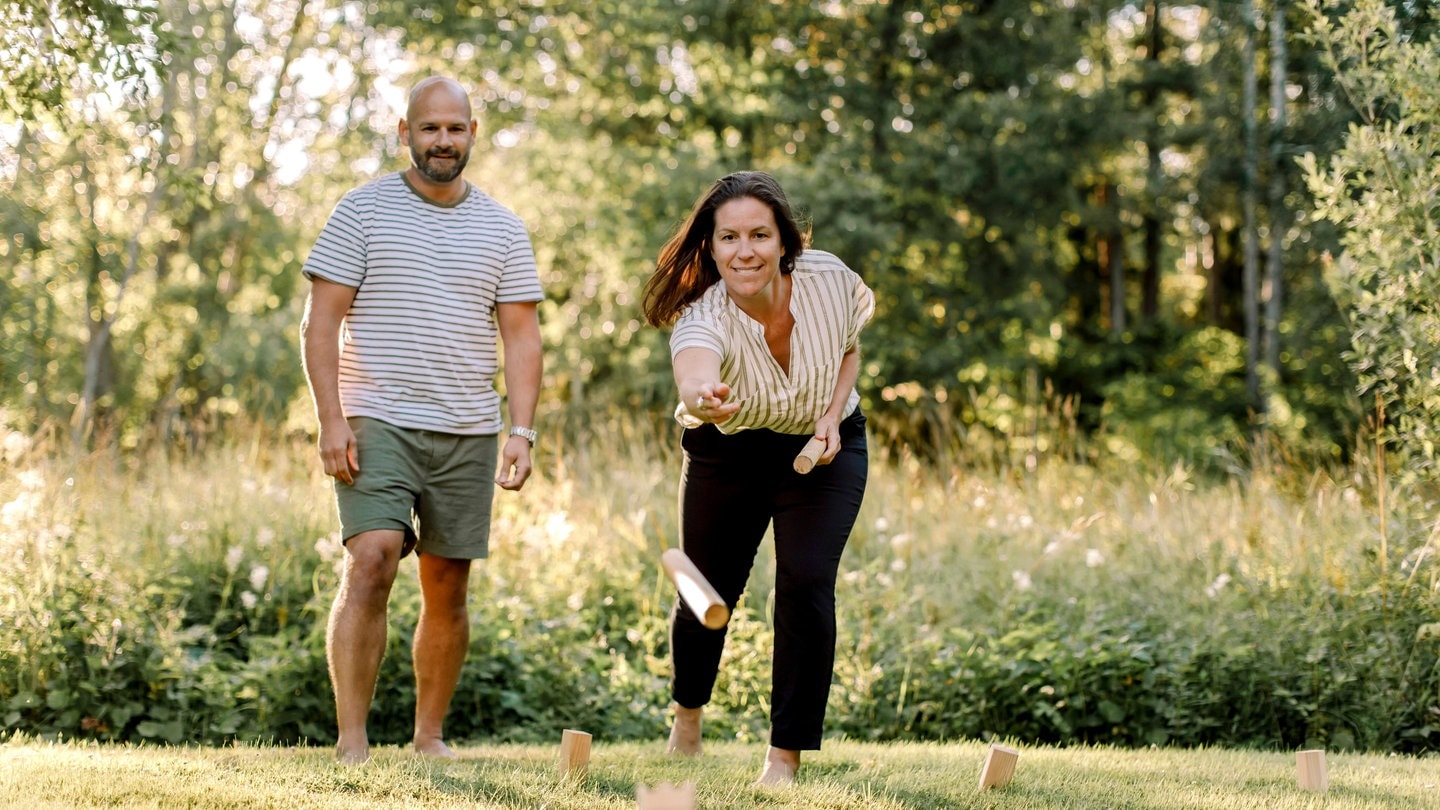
[514,464]
[338,452]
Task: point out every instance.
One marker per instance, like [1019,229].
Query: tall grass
[181,596]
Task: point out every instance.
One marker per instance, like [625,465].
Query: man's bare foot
[432,747]
[685,733]
[780,767]
[348,754]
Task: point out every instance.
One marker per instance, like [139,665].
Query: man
[412,277]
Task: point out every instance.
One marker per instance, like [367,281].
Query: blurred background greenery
[1083,209]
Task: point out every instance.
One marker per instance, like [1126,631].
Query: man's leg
[441,640]
[355,637]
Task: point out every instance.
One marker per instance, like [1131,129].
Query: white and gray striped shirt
[830,305]
[419,344]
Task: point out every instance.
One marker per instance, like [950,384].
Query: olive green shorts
[437,488]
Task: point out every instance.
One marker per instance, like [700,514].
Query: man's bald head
[438,129]
[426,88]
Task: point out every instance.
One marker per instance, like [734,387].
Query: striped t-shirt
[419,344]
[830,305]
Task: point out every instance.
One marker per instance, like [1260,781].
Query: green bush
[184,600]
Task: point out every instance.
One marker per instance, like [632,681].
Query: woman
[766,353]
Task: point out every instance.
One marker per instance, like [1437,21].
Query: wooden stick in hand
[805,462]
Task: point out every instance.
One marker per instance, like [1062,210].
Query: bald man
[413,277]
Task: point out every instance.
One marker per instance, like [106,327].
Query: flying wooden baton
[699,595]
[805,462]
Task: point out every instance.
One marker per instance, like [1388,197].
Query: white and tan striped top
[830,305]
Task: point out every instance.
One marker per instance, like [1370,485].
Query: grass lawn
[36,775]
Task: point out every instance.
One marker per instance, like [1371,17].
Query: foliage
[178,599]
[49,43]
[1383,188]
[974,161]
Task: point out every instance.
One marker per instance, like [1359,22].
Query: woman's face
[746,247]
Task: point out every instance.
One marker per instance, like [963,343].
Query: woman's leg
[813,518]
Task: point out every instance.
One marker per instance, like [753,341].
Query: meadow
[178,599]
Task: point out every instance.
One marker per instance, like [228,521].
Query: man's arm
[325,311]
[524,360]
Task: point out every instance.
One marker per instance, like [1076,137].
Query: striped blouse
[419,345]
[830,305]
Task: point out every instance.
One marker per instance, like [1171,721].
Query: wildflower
[265,536]
[30,480]
[882,525]
[249,600]
[897,565]
[14,513]
[233,557]
[558,527]
[258,575]
[14,446]
[900,541]
[1093,558]
[1213,589]
[1022,580]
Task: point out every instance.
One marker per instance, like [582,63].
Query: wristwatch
[528,434]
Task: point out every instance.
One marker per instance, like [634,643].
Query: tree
[50,44]
[1383,188]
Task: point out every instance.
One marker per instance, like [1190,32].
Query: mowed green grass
[844,775]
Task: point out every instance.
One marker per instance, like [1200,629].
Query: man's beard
[437,175]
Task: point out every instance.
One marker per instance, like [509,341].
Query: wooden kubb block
[999,767]
[666,796]
[574,754]
[1310,771]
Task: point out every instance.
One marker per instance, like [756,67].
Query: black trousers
[731,489]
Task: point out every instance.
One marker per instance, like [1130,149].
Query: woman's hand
[709,405]
[827,428]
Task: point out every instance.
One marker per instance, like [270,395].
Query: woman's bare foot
[780,767]
[433,747]
[685,733]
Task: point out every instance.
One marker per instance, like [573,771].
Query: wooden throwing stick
[805,462]
[695,589]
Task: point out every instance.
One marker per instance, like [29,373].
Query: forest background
[1151,233]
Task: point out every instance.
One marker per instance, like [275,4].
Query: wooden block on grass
[999,767]
[574,754]
[1310,767]
[666,796]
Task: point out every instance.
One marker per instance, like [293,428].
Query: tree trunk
[1248,194]
[1278,218]
[1150,280]
[1110,254]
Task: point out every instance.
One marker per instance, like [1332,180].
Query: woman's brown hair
[685,268]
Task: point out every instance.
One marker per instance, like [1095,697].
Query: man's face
[439,133]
